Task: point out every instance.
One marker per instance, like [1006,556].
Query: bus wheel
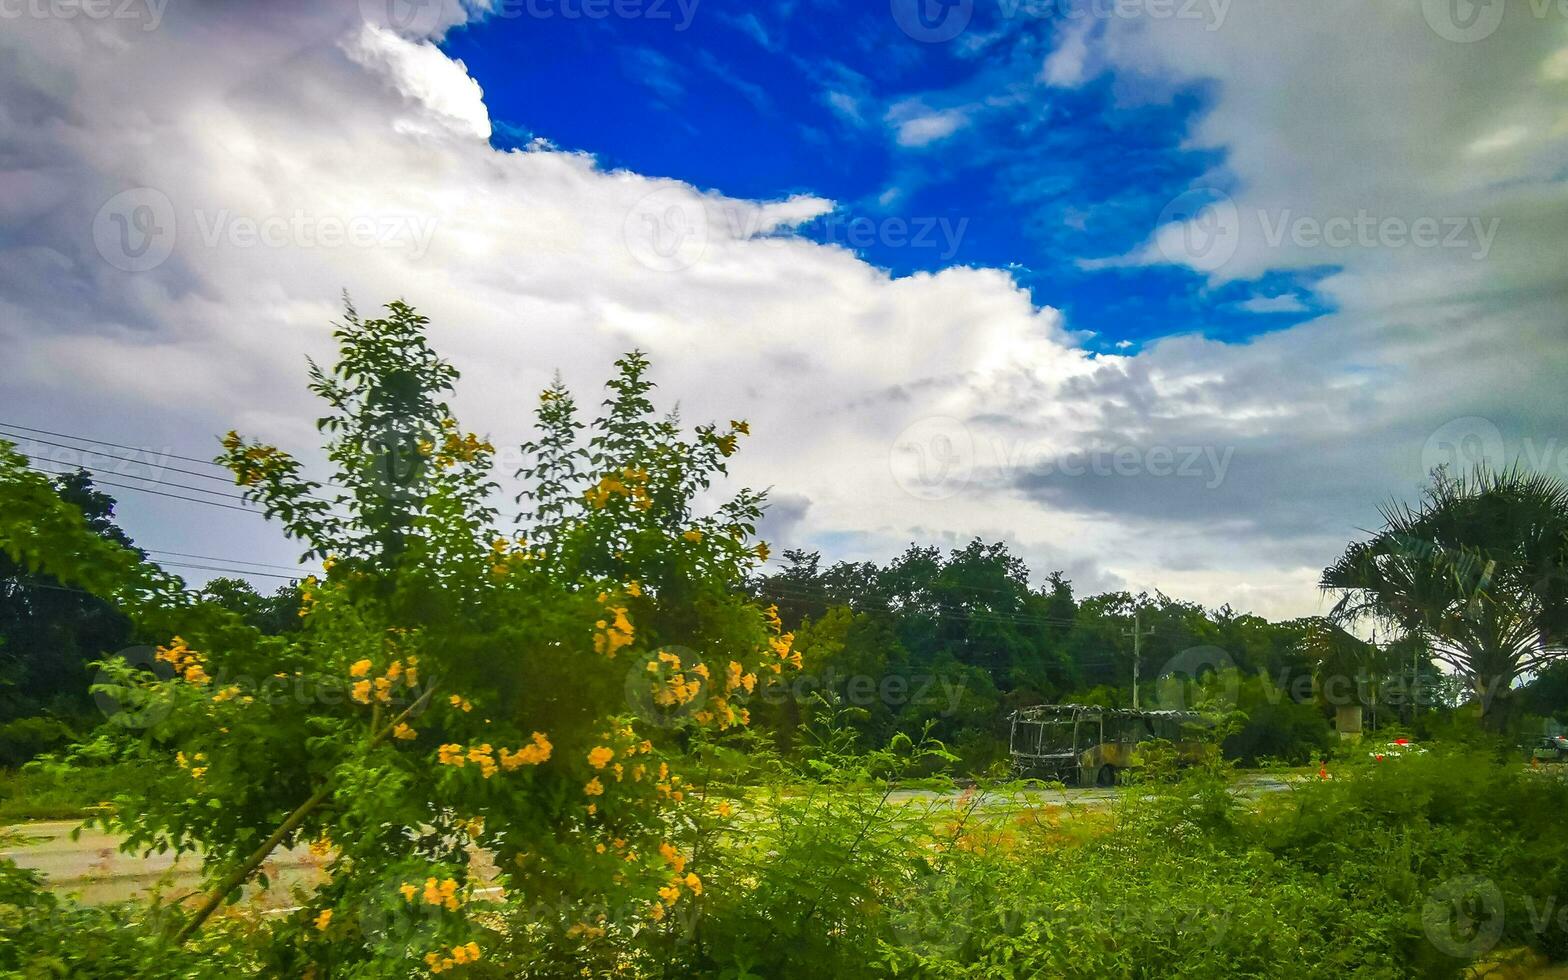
[1106,776]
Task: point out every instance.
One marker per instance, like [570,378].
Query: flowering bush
[456,689]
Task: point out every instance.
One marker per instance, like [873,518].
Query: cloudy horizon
[1164,295]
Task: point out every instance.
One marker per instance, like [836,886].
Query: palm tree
[1478,570]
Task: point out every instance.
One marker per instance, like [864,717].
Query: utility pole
[1137,634]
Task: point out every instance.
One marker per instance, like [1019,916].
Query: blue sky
[764,101]
[1141,294]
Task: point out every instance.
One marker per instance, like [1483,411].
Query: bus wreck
[1089,745]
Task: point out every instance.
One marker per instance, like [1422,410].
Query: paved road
[94,869]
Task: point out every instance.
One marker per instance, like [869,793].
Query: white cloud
[420,72]
[301,120]
[915,124]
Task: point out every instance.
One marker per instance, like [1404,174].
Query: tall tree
[50,632]
[1475,569]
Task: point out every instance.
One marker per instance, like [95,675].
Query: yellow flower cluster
[455,447]
[323,920]
[186,662]
[781,642]
[600,756]
[460,703]
[252,463]
[670,893]
[585,930]
[676,689]
[615,630]
[403,732]
[441,894]
[538,751]
[468,953]
[196,771]
[631,482]
[738,677]
[488,759]
[380,688]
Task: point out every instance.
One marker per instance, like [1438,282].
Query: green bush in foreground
[1420,867]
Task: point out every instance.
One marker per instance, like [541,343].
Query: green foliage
[1478,569]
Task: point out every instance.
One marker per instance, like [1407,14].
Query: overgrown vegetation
[610,743]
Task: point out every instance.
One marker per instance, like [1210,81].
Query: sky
[1166,294]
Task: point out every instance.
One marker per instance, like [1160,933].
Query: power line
[166,483]
[231,571]
[147,463]
[103,442]
[229,561]
[134,449]
[161,493]
[145,479]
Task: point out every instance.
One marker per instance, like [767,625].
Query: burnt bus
[1089,745]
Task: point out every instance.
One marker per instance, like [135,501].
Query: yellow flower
[461,703]
[360,668]
[762,551]
[694,883]
[451,754]
[669,893]
[528,755]
[600,757]
[633,589]
[403,732]
[594,787]
[724,808]
[693,536]
[672,857]
[656,912]
[323,920]
[361,692]
[409,891]
[742,426]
